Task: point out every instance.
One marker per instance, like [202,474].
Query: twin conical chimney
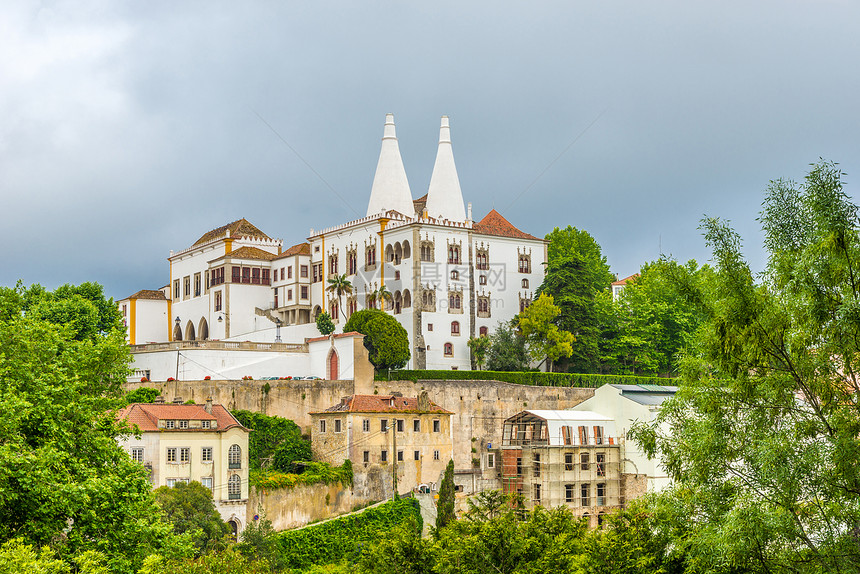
[444,198]
[390,189]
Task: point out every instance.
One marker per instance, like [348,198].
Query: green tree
[576,276]
[507,350]
[190,509]
[385,338]
[765,429]
[479,347]
[142,395]
[445,503]
[324,323]
[276,443]
[399,551]
[64,479]
[260,542]
[545,340]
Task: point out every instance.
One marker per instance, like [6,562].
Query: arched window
[482,280]
[407,298]
[407,251]
[525,283]
[449,350]
[525,263]
[389,253]
[334,310]
[455,275]
[454,301]
[483,332]
[455,327]
[453,254]
[234,487]
[234,456]
[317,311]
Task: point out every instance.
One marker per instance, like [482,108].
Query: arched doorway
[234,528]
[317,311]
[177,333]
[189,331]
[204,329]
[332,366]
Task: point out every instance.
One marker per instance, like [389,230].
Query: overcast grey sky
[128,129]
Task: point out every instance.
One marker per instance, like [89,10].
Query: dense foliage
[275,443]
[64,480]
[764,436]
[533,378]
[386,340]
[142,395]
[313,473]
[190,509]
[324,324]
[445,502]
[343,538]
[546,342]
[507,350]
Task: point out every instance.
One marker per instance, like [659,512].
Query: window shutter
[583,435]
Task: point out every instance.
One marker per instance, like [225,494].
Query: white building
[626,405]
[450,278]
[183,443]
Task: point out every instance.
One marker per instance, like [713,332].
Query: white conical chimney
[390,188]
[444,198]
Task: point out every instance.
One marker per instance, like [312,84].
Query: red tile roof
[626,280]
[300,249]
[146,416]
[246,252]
[494,224]
[380,404]
[238,228]
[148,294]
[420,204]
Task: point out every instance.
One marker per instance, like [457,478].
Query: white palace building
[238,290]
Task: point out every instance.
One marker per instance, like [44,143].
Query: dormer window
[169,424]
[206,424]
[183,424]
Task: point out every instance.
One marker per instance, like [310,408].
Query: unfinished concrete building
[570,458]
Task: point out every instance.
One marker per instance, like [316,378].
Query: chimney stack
[208,406]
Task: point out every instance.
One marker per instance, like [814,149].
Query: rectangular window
[187,292]
[366,456]
[137,453]
[171,482]
[365,425]
[584,463]
[491,460]
[600,459]
[437,425]
[400,425]
[255,275]
[289,294]
[519,466]
[569,493]
[417,454]
[416,425]
[536,465]
[246,274]
[197,285]
[429,326]
[207,482]
[265,277]
[568,461]
[206,424]
[435,455]
[236,274]
[206,454]
[537,493]
[304,291]
[176,289]
[304,271]
[185,455]
[171,454]
[217,300]
[598,435]
[337,425]
[601,494]
[289,272]
[183,424]
[383,456]
[583,435]
[383,425]
[399,456]
[169,424]
[322,425]
[584,495]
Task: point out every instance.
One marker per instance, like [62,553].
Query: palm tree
[383,295]
[339,286]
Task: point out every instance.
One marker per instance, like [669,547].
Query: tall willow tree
[764,434]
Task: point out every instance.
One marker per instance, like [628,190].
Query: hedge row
[525,378]
[342,538]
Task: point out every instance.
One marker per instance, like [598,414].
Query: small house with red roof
[385,436]
[178,442]
[618,286]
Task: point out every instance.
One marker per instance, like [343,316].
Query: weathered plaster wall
[303,504]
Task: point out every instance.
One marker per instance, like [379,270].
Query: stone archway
[189,331]
[203,330]
[332,366]
[177,333]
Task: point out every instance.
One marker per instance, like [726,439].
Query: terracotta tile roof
[148,294]
[247,252]
[494,224]
[381,404]
[237,228]
[300,249]
[146,416]
[625,280]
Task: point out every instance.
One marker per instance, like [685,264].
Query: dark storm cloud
[128,130]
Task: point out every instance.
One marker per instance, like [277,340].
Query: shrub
[386,340]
